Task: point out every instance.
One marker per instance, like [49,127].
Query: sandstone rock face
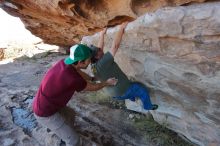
[175,52]
[64,22]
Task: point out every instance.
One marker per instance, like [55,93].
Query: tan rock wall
[64,22]
[175,52]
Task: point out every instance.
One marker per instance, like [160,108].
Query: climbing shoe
[154,107]
[132,99]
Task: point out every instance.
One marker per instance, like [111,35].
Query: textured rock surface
[19,80]
[175,52]
[64,22]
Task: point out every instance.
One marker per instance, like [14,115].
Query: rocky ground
[98,117]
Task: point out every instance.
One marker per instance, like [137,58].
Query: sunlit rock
[65,22]
[175,52]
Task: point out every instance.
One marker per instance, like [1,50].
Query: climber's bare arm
[118,38]
[101,39]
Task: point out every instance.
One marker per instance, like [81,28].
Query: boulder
[175,52]
[65,22]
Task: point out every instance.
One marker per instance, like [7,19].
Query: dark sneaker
[132,99]
[154,107]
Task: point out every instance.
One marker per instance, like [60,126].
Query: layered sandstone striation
[64,22]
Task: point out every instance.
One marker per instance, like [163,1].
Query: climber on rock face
[57,87]
[104,66]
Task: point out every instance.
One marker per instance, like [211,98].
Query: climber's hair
[75,63]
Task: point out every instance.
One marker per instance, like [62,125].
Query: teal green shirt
[106,68]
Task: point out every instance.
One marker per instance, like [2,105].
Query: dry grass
[142,124]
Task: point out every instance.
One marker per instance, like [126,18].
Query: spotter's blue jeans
[137,90]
